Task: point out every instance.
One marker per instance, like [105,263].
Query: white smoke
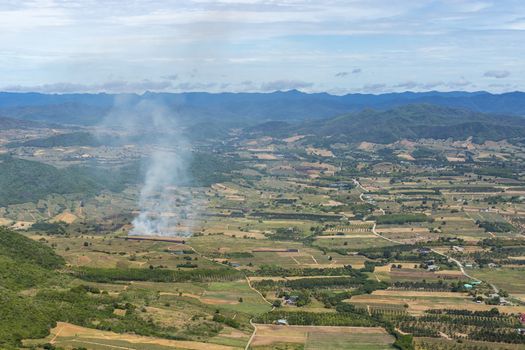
[163,207]
[165,204]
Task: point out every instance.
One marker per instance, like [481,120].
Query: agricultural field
[315,337]
[336,247]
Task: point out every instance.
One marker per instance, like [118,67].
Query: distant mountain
[248,108]
[407,122]
[61,140]
[12,123]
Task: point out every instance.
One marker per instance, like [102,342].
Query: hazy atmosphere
[330,46]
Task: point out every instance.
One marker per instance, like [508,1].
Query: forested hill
[62,140]
[12,123]
[24,264]
[24,250]
[25,181]
[407,122]
[28,181]
[195,107]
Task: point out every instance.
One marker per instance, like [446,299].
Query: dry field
[319,152]
[319,337]
[417,302]
[67,333]
[66,217]
[293,138]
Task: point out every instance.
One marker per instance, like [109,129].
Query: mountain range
[350,118]
[243,108]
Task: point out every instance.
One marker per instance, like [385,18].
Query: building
[291,300]
[282,322]
[432,267]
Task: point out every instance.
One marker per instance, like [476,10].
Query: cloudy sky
[338,46]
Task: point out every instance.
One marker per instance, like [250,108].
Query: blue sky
[338,46]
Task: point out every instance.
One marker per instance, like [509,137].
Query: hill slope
[27,181]
[408,122]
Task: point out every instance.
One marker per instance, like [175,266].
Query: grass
[443,344]
[509,279]
[252,302]
[348,341]
[314,337]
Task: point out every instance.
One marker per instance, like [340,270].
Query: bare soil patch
[70,330]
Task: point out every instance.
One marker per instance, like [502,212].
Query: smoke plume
[165,203]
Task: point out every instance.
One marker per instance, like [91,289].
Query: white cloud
[498,74]
[115,86]
[272,43]
[283,85]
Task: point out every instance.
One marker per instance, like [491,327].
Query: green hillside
[27,181]
[419,121]
[407,122]
[61,140]
[35,295]
[23,249]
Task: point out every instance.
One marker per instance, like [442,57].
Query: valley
[289,240]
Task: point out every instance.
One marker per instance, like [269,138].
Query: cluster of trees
[50,228]
[423,285]
[459,345]
[503,199]
[470,189]
[303,318]
[294,216]
[360,281]
[497,243]
[287,234]
[276,270]
[495,226]
[501,171]
[488,325]
[498,335]
[217,317]
[156,275]
[400,219]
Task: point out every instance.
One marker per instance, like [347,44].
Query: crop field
[69,335]
[416,303]
[348,247]
[441,343]
[308,337]
[510,279]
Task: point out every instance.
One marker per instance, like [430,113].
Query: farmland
[337,247]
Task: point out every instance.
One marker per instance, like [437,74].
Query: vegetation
[157,275]
[400,219]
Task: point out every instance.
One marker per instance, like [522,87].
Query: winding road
[457,262]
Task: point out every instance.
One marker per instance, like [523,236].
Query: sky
[334,46]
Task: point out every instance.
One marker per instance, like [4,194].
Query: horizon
[480,92]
